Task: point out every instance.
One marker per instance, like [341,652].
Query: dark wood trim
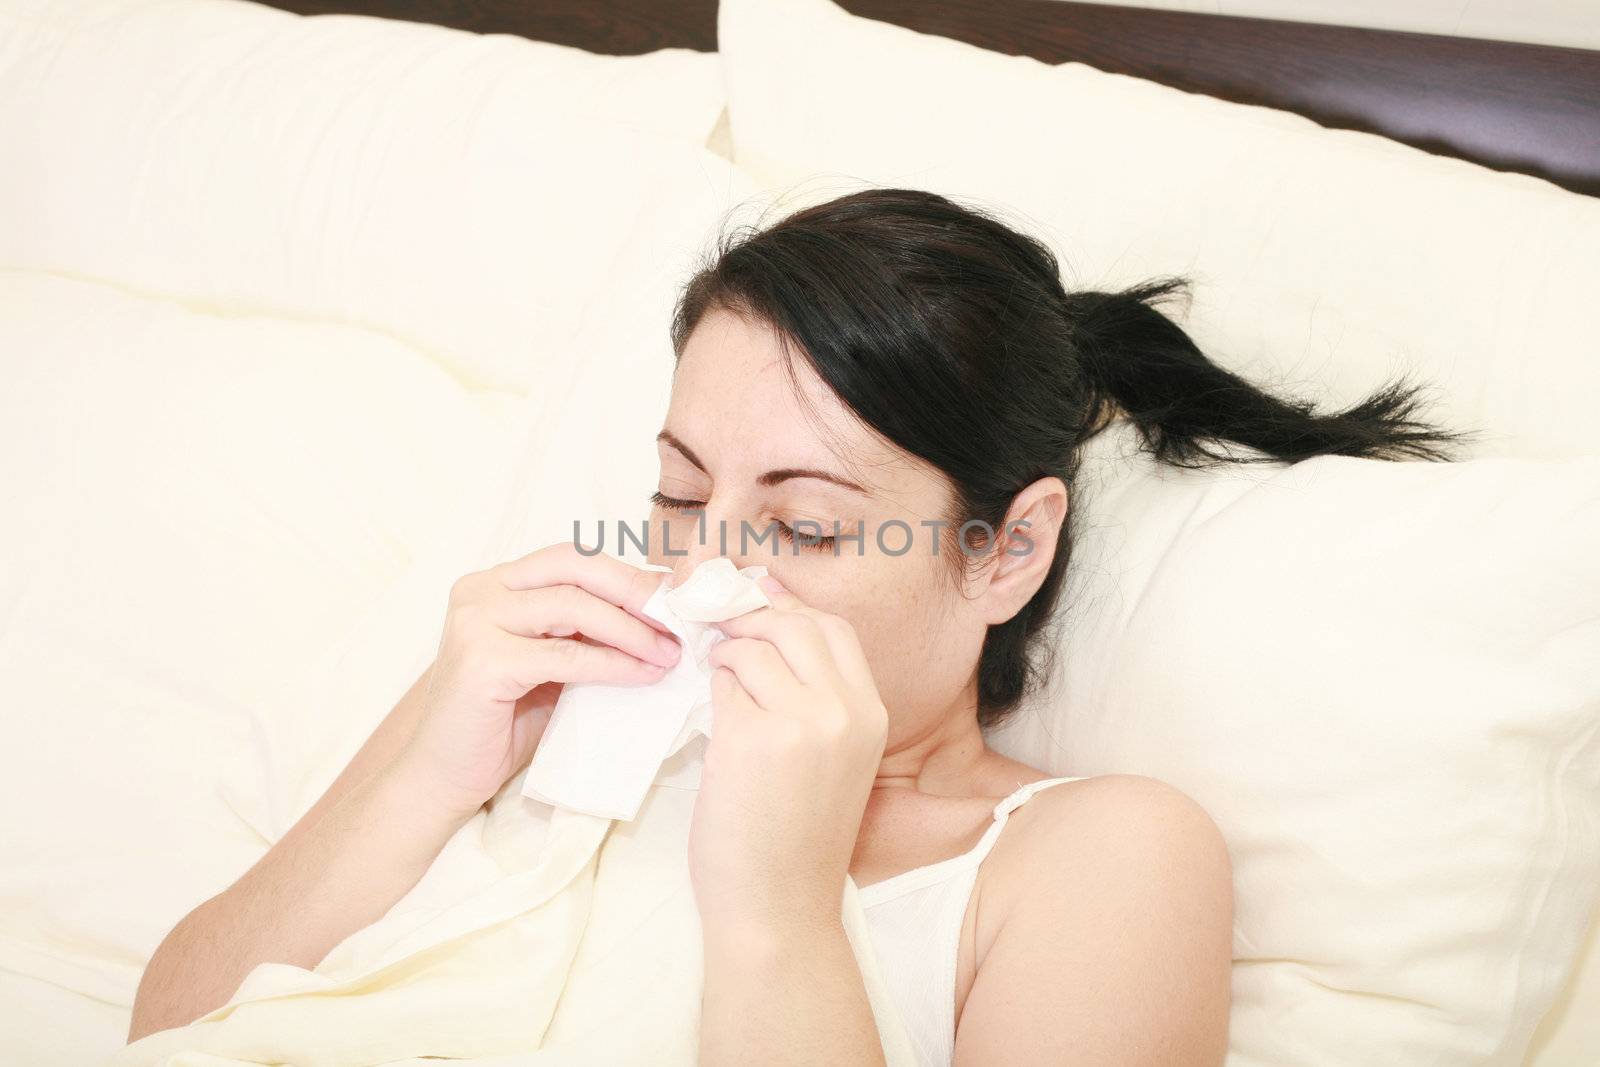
[1533,109]
[1528,108]
[611,27]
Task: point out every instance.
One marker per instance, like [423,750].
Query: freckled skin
[1071,874]
[735,408]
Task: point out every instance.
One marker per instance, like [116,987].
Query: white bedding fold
[539,936]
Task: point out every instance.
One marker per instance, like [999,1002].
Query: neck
[947,757]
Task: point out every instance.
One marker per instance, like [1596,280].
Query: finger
[729,698]
[607,577]
[848,656]
[797,637]
[760,668]
[781,599]
[535,661]
[565,610]
[778,593]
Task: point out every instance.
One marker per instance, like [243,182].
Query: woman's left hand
[797,737]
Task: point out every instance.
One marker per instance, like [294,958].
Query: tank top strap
[1018,798]
[966,863]
[1003,810]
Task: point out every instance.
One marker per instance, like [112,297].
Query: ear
[1025,546]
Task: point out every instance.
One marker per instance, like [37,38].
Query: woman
[887,364]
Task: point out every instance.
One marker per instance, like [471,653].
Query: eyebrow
[770,478]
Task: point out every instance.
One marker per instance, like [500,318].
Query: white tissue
[605,744]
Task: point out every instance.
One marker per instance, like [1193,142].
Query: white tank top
[915,919]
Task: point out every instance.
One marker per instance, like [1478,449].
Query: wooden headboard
[1534,109]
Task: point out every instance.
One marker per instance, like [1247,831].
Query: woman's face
[738,443]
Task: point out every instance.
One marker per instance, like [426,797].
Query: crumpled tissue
[605,744]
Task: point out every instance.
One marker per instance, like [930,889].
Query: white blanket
[539,936]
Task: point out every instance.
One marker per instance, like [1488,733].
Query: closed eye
[785,532]
[808,540]
[673,503]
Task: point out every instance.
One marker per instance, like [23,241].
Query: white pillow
[585,454]
[205,505]
[1325,260]
[1381,680]
[242,532]
[466,193]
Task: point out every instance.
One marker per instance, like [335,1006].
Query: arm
[785,994]
[785,783]
[465,726]
[1114,946]
[360,848]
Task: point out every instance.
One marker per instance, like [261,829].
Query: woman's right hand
[514,634]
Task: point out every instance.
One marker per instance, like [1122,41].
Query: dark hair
[950,334]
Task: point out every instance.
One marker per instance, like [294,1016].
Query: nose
[694,555]
[721,538]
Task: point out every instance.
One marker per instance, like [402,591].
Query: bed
[225,325]
[1512,106]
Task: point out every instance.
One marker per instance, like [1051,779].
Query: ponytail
[1142,362]
[948,333]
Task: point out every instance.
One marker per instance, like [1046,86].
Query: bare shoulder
[1122,815]
[1113,894]
[1118,834]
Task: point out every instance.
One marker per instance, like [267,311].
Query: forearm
[785,996]
[337,870]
